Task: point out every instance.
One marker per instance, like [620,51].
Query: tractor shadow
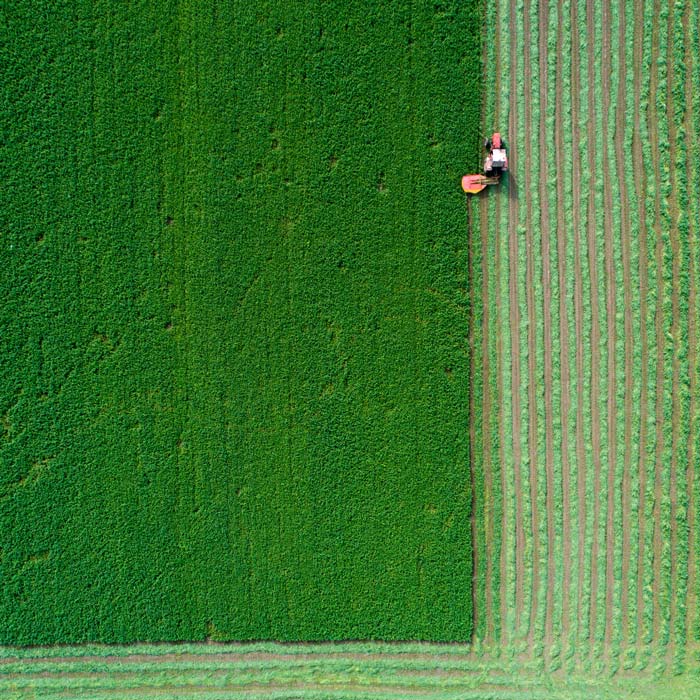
[509,183]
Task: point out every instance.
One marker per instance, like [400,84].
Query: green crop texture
[265,375]
[234,320]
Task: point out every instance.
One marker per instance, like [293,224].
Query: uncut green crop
[234,320]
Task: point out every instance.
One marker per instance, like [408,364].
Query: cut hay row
[588,270]
[693,451]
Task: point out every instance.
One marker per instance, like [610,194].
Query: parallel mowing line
[653,125]
[694,180]
[563,359]
[486,418]
[553,630]
[631,519]
[610,286]
[529,28]
[635,235]
[640,194]
[691,170]
[630,223]
[581,308]
[496,347]
[622,385]
[530,314]
[614,584]
[577,180]
[601,482]
[508,454]
[638,325]
[685,139]
[669,397]
[515,316]
[650,11]
[492,472]
[595,314]
[527,570]
[505,400]
[489,212]
[542,478]
[679,518]
[614,572]
[673,206]
[569,315]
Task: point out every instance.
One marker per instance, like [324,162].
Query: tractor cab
[496,161]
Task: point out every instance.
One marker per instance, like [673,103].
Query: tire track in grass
[547,312]
[640,191]
[691,169]
[675,328]
[531,327]
[595,317]
[578,309]
[620,143]
[610,303]
[515,319]
[564,397]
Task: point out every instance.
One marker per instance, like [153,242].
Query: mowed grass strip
[324,677]
[625,322]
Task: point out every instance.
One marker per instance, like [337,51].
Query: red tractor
[495,164]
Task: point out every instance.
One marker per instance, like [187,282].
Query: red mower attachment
[473,184]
